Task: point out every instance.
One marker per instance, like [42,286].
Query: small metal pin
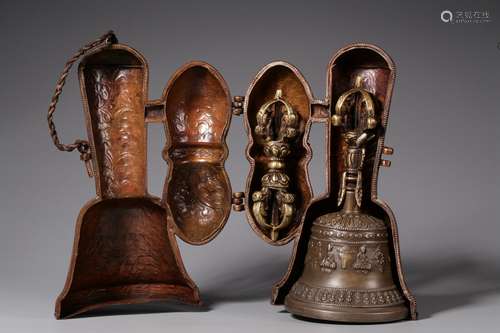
[387,150]
[385,163]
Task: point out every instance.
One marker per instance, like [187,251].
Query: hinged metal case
[196,109]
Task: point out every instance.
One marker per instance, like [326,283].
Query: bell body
[347,274]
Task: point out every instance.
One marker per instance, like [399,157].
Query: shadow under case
[125,249]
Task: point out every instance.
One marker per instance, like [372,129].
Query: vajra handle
[356,133]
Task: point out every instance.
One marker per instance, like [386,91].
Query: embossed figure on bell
[273,206]
[347,273]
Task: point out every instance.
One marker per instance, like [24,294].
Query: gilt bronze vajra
[347,275]
[345,263]
[273,206]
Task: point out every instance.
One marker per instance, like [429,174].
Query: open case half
[125,249]
[196,110]
[377,72]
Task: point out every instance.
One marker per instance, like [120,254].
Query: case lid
[197,108]
[196,111]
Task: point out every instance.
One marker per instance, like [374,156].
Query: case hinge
[237,106]
[386,151]
[155,111]
[237,201]
[320,109]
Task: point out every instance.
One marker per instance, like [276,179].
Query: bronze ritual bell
[347,272]
[345,263]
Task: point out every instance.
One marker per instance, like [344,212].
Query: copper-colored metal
[124,249]
[387,150]
[385,163]
[82,146]
[347,271]
[130,236]
[238,105]
[238,201]
[197,188]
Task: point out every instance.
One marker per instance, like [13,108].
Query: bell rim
[333,313]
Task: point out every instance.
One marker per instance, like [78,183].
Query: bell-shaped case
[125,249]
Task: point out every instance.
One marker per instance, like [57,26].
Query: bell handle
[366,98]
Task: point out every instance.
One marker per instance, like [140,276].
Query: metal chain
[82,146]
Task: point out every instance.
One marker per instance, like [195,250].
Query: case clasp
[237,201]
[237,106]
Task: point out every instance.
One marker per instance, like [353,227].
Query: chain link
[82,146]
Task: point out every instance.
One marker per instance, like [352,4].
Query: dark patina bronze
[125,249]
[361,280]
[347,274]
